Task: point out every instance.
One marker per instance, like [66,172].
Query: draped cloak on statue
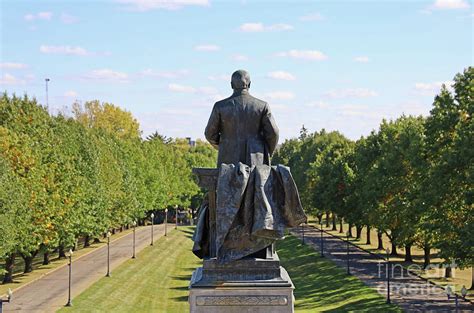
[254,206]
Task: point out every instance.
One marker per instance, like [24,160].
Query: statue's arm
[212,131]
[270,129]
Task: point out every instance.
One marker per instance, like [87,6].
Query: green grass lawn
[321,286]
[157,281]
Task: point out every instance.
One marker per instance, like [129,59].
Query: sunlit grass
[157,281]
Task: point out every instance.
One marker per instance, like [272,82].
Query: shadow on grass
[181,277]
[185,288]
[188,232]
[322,286]
[181,299]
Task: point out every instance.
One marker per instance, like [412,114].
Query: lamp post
[322,240]
[69,301]
[388,275]
[152,222]
[134,223]
[166,222]
[464,292]
[348,256]
[450,294]
[9,298]
[46,80]
[176,217]
[302,231]
[108,254]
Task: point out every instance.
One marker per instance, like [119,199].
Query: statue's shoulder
[258,102]
[222,103]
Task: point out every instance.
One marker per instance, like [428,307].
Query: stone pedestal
[247,285]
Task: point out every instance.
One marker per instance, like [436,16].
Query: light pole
[166,222]
[348,256]
[9,298]
[152,222]
[449,293]
[388,275]
[302,231]
[464,292]
[69,301]
[108,254]
[134,223]
[46,80]
[322,240]
[176,217]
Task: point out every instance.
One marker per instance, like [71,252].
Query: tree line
[68,177]
[412,179]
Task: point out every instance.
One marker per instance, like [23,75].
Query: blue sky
[339,65]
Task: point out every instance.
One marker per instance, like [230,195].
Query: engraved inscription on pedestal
[241,300]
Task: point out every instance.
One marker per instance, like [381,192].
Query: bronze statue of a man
[242,127]
[253,202]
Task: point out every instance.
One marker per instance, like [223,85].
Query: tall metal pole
[388,275]
[152,222]
[69,301]
[322,240]
[176,212]
[47,96]
[166,222]
[134,225]
[108,255]
[302,231]
[348,257]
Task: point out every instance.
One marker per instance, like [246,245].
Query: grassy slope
[157,281]
[322,286]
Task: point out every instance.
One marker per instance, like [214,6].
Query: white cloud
[70,94]
[430,89]
[312,55]
[282,75]
[13,66]
[317,105]
[68,19]
[181,88]
[362,59]
[239,57]
[260,27]
[208,91]
[219,77]
[146,5]
[45,16]
[279,95]
[67,50]
[350,93]
[164,74]
[8,79]
[450,4]
[207,48]
[106,75]
[312,17]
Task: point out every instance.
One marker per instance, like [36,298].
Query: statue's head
[240,80]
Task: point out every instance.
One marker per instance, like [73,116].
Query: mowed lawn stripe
[156,281]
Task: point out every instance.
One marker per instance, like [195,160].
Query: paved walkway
[49,293]
[408,291]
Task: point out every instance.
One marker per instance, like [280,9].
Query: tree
[449,133]
[108,117]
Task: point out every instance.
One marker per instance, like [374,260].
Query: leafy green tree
[450,153]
